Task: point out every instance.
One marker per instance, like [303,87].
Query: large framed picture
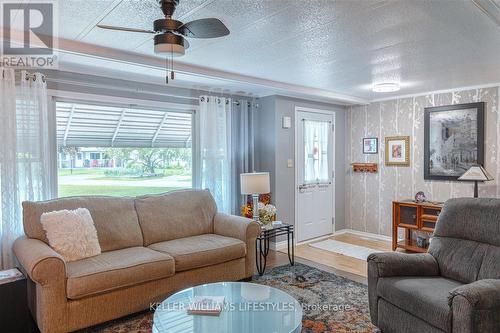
[453,140]
[370,146]
[397,151]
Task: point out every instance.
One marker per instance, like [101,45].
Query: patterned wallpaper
[369,196]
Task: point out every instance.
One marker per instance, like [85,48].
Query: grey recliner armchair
[455,287]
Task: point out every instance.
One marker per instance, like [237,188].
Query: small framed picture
[370,146]
[397,151]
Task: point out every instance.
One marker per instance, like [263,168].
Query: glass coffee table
[248,308]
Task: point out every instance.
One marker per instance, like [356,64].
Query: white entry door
[315,172]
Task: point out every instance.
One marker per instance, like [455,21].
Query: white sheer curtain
[24,152]
[316,151]
[242,148]
[215,149]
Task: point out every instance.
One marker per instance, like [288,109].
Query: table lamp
[476,174]
[254,184]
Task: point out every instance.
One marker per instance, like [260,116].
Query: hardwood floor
[351,268]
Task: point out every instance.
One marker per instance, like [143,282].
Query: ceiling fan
[170,33]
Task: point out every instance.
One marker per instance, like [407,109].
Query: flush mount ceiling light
[386,87]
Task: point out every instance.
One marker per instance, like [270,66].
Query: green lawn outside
[76,190]
[89,171]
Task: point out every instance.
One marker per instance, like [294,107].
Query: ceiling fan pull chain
[172,75]
[166,70]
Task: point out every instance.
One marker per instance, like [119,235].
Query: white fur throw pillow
[71,233]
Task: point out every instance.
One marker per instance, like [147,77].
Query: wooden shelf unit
[413,216]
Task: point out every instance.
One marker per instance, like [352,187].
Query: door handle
[306,186]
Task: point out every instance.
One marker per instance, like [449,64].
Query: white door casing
[314,173]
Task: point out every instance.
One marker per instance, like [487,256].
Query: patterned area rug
[331,303]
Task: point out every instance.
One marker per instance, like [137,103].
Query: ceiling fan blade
[204,28]
[111,27]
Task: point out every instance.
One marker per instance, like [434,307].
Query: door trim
[296,182]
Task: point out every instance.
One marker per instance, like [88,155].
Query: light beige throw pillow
[71,233]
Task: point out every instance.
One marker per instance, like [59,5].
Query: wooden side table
[262,244]
[413,217]
[14,312]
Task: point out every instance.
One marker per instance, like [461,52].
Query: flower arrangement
[267,212]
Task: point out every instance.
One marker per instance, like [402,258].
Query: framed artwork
[397,151]
[453,140]
[370,146]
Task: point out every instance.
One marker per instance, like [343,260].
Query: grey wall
[275,146]
[369,196]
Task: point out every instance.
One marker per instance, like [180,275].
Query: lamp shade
[255,183]
[476,173]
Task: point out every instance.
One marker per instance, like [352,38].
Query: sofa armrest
[476,306]
[47,269]
[40,261]
[240,228]
[395,264]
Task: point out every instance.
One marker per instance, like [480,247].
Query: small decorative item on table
[422,241]
[206,305]
[420,197]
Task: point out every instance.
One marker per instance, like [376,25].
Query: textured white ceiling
[343,46]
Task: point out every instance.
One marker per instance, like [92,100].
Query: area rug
[346,249]
[330,303]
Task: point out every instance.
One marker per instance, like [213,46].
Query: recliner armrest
[481,294]
[389,264]
[41,262]
[476,307]
[402,264]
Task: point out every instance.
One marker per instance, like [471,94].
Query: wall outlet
[289,163]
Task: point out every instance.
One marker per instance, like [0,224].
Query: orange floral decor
[247,209]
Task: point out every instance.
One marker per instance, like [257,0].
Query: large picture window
[111,150]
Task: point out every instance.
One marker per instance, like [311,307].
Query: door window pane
[316,151]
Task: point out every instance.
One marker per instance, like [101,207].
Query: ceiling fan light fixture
[170,49]
[386,87]
[170,44]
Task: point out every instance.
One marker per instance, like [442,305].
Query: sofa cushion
[115,219]
[176,214]
[116,269]
[203,250]
[424,297]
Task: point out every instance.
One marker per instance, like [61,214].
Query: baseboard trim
[283,244]
[364,234]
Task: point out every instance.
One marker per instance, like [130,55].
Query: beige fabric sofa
[151,247]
